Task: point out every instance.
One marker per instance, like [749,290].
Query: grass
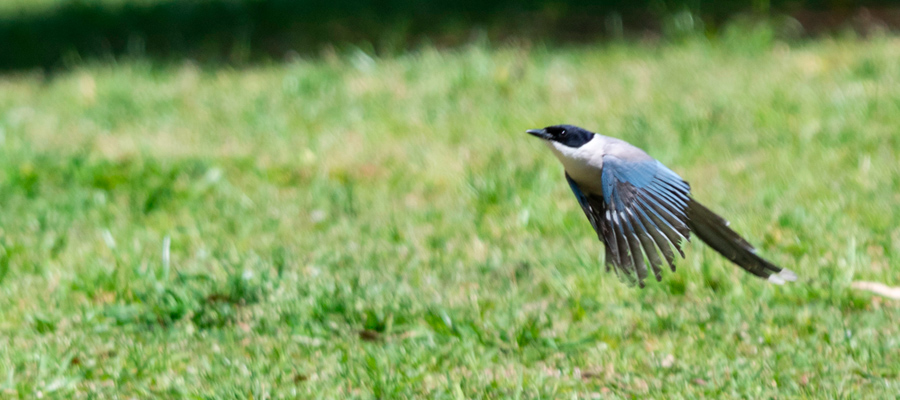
[357,227]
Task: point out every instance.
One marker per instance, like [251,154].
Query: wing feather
[662,242]
[646,209]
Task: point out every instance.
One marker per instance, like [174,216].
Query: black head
[568,135]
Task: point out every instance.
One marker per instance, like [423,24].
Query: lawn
[354,227]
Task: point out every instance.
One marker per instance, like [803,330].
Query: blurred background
[278,199]
[51,34]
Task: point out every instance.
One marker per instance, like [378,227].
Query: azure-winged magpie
[639,208]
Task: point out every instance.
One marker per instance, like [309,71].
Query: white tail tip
[785,275]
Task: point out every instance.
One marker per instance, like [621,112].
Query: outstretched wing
[646,210]
[641,212]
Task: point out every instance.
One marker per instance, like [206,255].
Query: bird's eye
[562,133]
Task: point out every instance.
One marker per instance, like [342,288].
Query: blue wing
[645,210]
[641,212]
[594,216]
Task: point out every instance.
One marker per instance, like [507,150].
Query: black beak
[540,133]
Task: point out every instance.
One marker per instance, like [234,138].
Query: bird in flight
[641,209]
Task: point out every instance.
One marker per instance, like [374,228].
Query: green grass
[353,227]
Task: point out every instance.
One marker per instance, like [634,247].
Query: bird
[640,209]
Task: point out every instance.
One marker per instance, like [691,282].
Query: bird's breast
[583,164]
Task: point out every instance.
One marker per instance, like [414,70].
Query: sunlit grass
[357,227]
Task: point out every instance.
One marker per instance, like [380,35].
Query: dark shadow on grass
[248,31]
[254,30]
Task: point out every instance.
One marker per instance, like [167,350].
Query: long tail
[714,230]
